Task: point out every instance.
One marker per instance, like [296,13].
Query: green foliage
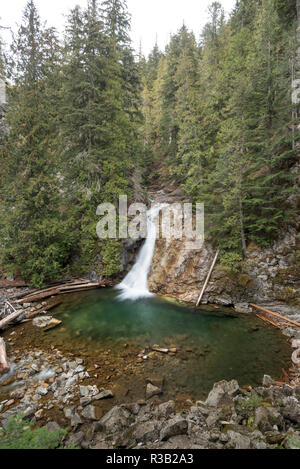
[18,434]
[224,119]
[111,257]
[73,115]
[217,115]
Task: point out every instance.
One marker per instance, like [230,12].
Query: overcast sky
[150,18]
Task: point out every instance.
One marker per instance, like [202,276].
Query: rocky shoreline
[267,417]
[50,390]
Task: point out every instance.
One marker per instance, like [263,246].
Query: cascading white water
[135,284]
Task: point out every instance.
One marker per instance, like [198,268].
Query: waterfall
[135,284]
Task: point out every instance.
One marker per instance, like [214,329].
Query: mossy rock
[244,280]
[253,248]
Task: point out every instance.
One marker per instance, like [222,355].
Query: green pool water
[213,345]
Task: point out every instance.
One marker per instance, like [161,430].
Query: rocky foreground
[51,391]
[267,417]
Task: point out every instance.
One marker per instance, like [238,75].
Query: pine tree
[99,121]
[35,242]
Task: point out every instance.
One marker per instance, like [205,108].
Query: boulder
[152,391]
[176,426]
[89,413]
[75,439]
[166,409]
[147,431]
[115,419]
[221,392]
[238,441]
[51,426]
[46,322]
[291,410]
[71,414]
[266,418]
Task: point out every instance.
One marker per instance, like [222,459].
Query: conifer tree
[35,242]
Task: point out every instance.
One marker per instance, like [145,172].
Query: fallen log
[207,278]
[45,308]
[275,315]
[79,286]
[4,365]
[11,306]
[269,321]
[12,317]
[79,290]
[286,376]
[40,296]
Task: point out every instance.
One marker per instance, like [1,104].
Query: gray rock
[152,391]
[115,419]
[243,308]
[291,410]
[266,418]
[75,439]
[42,321]
[71,414]
[85,401]
[167,408]
[176,426]
[292,441]
[238,441]
[51,426]
[84,391]
[106,394]
[42,391]
[267,380]
[89,413]
[220,393]
[148,431]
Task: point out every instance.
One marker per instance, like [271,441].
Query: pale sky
[150,18]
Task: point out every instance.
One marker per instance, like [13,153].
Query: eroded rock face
[268,277]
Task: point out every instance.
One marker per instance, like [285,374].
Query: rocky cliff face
[268,277]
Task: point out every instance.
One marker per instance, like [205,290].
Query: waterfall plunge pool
[109,334]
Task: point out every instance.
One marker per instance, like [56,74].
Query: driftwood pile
[71,287]
[279,321]
[38,295]
[279,325]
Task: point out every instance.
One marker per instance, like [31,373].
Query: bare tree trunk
[4,365]
[242,227]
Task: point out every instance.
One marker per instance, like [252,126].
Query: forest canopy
[90,120]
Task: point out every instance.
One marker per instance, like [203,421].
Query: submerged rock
[267,380]
[152,391]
